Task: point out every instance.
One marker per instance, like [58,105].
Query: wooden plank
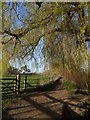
[7,83]
[9,92]
[7,78]
[6,87]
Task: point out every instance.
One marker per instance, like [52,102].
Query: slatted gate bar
[10,85]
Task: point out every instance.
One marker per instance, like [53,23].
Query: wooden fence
[13,85]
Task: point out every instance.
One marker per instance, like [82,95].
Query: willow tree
[64,27]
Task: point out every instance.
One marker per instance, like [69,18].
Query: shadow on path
[6,116]
[40,107]
[49,105]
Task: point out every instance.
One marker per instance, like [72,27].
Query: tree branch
[7,41]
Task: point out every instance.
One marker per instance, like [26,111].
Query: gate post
[15,85]
[18,84]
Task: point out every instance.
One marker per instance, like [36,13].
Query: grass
[33,80]
[69,85]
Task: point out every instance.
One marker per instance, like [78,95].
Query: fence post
[25,84]
[18,84]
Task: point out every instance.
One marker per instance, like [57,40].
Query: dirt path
[48,104]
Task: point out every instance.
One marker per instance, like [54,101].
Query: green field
[34,80]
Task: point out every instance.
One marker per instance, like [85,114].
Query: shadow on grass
[69,114]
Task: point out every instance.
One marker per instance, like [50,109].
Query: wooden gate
[10,85]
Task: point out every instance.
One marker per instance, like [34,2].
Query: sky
[88,45]
[34,66]
[39,64]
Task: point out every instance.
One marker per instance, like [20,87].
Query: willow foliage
[64,27]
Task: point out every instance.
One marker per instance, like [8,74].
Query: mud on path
[49,104]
